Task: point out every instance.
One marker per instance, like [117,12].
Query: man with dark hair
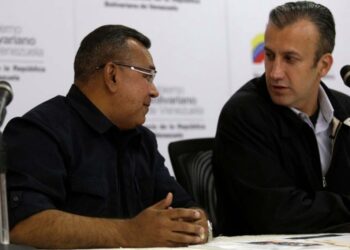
[84,172]
[282,155]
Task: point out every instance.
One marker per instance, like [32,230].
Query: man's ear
[325,64]
[110,76]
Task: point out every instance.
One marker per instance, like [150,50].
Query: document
[333,241]
[329,241]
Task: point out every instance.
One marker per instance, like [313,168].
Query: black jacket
[267,167]
[65,154]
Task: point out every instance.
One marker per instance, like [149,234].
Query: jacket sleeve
[258,190]
[167,183]
[35,170]
[164,182]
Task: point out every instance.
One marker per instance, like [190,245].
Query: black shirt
[65,154]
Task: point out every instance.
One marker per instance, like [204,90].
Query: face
[134,90]
[292,75]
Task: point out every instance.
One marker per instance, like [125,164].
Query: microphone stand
[4,223]
[4,237]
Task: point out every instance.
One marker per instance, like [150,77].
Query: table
[330,241]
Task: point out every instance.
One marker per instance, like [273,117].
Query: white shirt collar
[326,112]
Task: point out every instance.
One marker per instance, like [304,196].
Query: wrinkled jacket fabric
[267,167]
[65,154]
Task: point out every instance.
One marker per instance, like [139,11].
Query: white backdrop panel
[202,50]
[249,19]
[36,50]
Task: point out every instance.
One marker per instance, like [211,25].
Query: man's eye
[290,59]
[269,55]
[148,77]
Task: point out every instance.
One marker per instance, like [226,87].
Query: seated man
[84,172]
[282,154]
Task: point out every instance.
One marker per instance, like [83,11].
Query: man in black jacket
[282,155]
[84,172]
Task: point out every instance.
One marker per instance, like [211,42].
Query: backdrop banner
[204,50]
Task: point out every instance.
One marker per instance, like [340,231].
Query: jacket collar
[339,112]
[294,123]
[88,111]
[95,118]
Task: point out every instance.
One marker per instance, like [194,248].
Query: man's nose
[154,90]
[277,70]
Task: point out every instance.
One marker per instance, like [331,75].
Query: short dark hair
[108,42]
[318,14]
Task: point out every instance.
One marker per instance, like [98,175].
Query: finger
[202,219]
[188,228]
[203,216]
[175,244]
[184,214]
[182,239]
[165,203]
[203,222]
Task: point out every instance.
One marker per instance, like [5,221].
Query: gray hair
[318,14]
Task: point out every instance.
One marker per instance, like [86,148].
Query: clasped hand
[162,226]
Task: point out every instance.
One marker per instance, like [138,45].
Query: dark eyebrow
[267,48]
[290,53]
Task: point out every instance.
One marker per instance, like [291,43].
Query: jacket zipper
[335,130]
[324,182]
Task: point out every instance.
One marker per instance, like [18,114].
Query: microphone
[345,74]
[5,98]
[6,95]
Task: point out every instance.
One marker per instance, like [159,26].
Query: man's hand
[203,221]
[158,225]
[163,226]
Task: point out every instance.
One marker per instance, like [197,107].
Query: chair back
[192,164]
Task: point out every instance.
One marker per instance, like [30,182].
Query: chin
[141,121]
[280,101]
